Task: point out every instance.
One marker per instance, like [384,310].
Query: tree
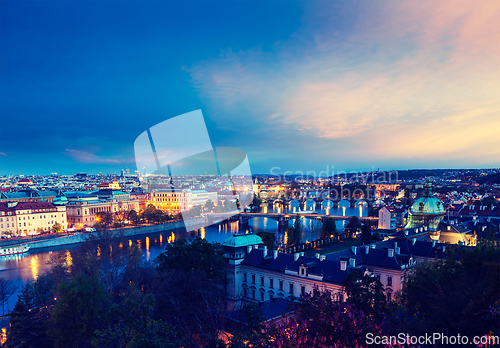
[353,225]
[329,228]
[133,217]
[56,227]
[133,324]
[455,294]
[193,212]
[295,231]
[190,289]
[81,308]
[365,293]
[366,234]
[489,201]
[269,239]
[6,291]
[322,322]
[209,205]
[104,218]
[198,254]
[27,322]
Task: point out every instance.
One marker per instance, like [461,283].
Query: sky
[300,86]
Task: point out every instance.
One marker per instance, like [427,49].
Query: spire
[428,189]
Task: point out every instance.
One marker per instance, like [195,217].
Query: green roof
[242,240]
[427,205]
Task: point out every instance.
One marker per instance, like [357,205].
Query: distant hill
[490,179]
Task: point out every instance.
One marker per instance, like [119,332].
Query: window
[261,281]
[262,296]
[389,297]
[245,276]
[281,285]
[291,289]
[253,294]
[377,276]
[271,283]
[253,278]
[302,290]
[389,281]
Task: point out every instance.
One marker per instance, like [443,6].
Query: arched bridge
[282,218]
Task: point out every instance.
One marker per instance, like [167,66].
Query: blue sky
[297,85]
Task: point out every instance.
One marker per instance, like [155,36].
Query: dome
[427,205]
[426,211]
[242,240]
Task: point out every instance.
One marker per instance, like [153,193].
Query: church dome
[427,205]
[242,240]
[426,211]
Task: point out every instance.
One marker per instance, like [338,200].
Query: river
[25,267]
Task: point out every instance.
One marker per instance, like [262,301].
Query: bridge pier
[243,222]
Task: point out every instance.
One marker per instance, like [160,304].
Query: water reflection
[34,267]
[22,267]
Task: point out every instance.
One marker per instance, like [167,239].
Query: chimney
[296,256]
[391,252]
[275,253]
[367,249]
[343,265]
[354,249]
[249,248]
[322,258]
[352,262]
[264,254]
[413,241]
[433,243]
[397,249]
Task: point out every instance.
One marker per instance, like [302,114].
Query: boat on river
[14,249]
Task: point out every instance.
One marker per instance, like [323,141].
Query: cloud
[393,80]
[3,154]
[89,157]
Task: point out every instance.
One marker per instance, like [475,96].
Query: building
[30,218]
[83,207]
[256,274]
[29,195]
[172,201]
[426,211]
[390,218]
[200,197]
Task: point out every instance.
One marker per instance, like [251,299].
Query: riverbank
[68,239]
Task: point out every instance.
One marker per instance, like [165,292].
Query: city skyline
[300,86]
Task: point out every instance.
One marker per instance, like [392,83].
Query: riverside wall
[125,232]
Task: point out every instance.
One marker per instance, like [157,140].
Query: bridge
[282,218]
[319,201]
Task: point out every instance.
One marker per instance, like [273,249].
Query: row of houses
[258,274]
